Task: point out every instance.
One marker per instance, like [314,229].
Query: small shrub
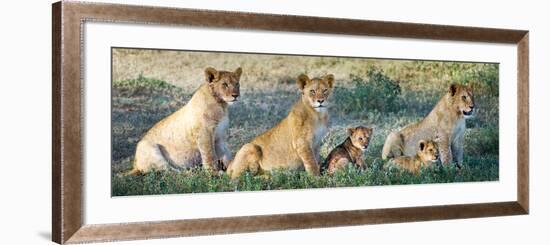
[482,141]
[377,93]
[143,86]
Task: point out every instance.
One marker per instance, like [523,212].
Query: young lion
[194,134]
[426,155]
[294,143]
[350,151]
[446,120]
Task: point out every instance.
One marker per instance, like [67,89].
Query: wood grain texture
[67,21]
[56,124]
[523,122]
[177,228]
[290,23]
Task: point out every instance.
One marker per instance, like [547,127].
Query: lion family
[195,135]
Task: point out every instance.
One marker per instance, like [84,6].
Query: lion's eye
[360,138]
[225,85]
[325,91]
[464,97]
[312,91]
[237,84]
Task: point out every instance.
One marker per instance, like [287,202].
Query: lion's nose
[320,101]
[472,107]
[235,95]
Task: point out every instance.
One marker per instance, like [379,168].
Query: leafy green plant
[376,93]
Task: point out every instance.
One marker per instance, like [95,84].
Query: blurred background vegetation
[384,94]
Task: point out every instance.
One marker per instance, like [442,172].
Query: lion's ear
[302,81]
[453,88]
[211,74]
[238,73]
[421,145]
[370,130]
[330,79]
[350,131]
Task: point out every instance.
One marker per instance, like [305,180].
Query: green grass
[199,181]
[382,94]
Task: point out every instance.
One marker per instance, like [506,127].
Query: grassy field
[148,85]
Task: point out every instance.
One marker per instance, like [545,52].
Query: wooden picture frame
[67,22]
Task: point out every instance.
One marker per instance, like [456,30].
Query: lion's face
[316,91]
[224,84]
[462,98]
[360,137]
[428,151]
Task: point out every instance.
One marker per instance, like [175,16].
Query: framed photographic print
[180,122]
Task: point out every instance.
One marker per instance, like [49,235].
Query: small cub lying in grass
[351,151]
[427,154]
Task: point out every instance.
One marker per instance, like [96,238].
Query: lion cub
[294,143]
[426,155]
[195,134]
[350,151]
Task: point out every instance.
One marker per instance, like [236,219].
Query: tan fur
[350,151]
[196,133]
[446,121]
[294,143]
[426,155]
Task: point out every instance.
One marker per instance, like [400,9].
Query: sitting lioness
[195,134]
[350,151]
[446,120]
[426,156]
[294,143]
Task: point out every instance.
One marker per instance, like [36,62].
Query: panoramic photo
[185,121]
